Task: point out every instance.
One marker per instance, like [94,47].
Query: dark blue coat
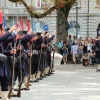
[24,41]
[3,68]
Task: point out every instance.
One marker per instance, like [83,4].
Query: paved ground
[74,83]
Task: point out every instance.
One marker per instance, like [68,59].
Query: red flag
[1,22]
[21,24]
[1,17]
[28,24]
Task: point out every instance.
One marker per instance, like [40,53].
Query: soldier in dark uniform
[41,56]
[4,75]
[8,45]
[48,58]
[27,37]
[24,54]
[36,42]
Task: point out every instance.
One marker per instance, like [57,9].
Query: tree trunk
[62,25]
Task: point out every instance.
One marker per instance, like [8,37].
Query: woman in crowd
[65,53]
[85,60]
[60,45]
[80,51]
[85,47]
[74,49]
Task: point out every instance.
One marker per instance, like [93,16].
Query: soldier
[24,58]
[36,42]
[27,37]
[49,50]
[4,75]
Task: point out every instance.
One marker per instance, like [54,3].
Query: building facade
[88,16]
[13,12]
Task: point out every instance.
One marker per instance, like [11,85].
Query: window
[99,26]
[0,2]
[72,29]
[38,3]
[17,5]
[39,26]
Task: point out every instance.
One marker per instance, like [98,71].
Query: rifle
[20,83]
[29,69]
[52,66]
[44,61]
[40,54]
[12,77]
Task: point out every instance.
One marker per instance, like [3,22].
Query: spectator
[93,47]
[65,53]
[98,50]
[80,51]
[92,58]
[60,45]
[85,60]
[89,48]
[74,49]
[85,47]
[70,40]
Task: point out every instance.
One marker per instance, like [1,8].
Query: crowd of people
[79,50]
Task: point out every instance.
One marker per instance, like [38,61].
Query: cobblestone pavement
[70,82]
[67,67]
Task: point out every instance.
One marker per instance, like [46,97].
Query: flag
[1,22]
[21,24]
[33,24]
[4,20]
[1,17]
[28,24]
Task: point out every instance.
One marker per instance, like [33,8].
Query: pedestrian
[98,51]
[80,51]
[65,53]
[74,50]
[60,45]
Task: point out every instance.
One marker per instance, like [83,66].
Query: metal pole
[76,19]
[88,21]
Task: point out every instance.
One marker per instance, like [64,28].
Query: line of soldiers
[25,56]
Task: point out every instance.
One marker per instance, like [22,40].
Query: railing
[21,11]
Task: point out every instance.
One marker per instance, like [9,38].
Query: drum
[57,58]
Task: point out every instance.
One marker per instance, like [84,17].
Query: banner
[1,17]
[28,24]
[21,24]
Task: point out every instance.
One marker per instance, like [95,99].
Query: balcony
[22,12]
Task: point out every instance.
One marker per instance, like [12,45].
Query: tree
[63,7]
[98,4]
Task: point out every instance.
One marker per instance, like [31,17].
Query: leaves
[14,0]
[98,4]
[48,9]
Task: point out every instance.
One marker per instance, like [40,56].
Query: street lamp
[76,19]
